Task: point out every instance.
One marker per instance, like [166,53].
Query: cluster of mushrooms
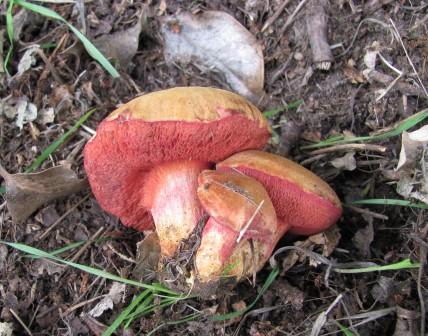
[186,163]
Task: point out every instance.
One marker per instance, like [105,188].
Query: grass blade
[291,106]
[9,29]
[397,130]
[123,315]
[401,265]
[272,276]
[95,271]
[389,201]
[90,48]
[53,146]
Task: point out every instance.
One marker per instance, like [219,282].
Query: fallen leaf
[46,116]
[407,322]
[215,39]
[6,329]
[25,193]
[288,294]
[27,60]
[346,162]
[121,45]
[412,163]
[148,251]
[364,237]
[383,289]
[26,112]
[411,144]
[107,303]
[371,54]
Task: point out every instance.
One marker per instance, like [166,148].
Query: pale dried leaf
[113,297]
[148,251]
[364,237]
[27,61]
[39,267]
[6,329]
[25,112]
[370,56]
[25,193]
[46,116]
[122,45]
[346,162]
[215,39]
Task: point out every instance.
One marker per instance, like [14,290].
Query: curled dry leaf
[113,297]
[25,193]
[216,40]
[413,182]
[121,45]
[346,162]
[148,254]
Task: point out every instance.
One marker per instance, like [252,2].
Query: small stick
[80,304]
[275,15]
[356,146]
[316,26]
[368,212]
[292,16]
[15,315]
[85,246]
[60,219]
[245,228]
[121,255]
[408,57]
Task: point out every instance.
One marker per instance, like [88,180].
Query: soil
[53,299]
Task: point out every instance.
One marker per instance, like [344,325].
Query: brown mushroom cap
[239,209]
[302,200]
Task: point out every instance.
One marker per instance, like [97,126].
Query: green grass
[398,266]
[292,106]
[389,201]
[55,145]
[402,126]
[144,303]
[46,12]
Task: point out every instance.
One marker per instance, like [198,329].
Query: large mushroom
[145,158]
[304,203]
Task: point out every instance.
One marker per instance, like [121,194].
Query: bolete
[304,203]
[144,161]
[240,234]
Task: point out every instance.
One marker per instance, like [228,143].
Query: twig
[316,26]
[60,219]
[80,304]
[86,245]
[15,315]
[292,16]
[368,212]
[245,228]
[275,15]
[121,255]
[355,146]
[404,88]
[408,57]
[322,318]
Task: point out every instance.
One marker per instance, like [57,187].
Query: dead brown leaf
[25,193]
[148,251]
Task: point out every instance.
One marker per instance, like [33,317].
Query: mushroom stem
[170,194]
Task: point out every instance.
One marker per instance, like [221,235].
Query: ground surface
[47,296]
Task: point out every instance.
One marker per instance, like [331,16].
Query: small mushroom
[240,233]
[145,158]
[304,203]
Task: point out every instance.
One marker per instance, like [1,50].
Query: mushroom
[240,233]
[304,203]
[144,160]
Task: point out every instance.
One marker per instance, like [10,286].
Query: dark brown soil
[52,299]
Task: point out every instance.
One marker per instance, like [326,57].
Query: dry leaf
[121,45]
[6,329]
[407,322]
[216,40]
[346,162]
[25,193]
[411,144]
[148,251]
[113,297]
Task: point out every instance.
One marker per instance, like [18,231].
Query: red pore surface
[123,152]
[305,213]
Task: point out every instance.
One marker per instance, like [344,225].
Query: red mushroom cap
[184,128]
[303,202]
